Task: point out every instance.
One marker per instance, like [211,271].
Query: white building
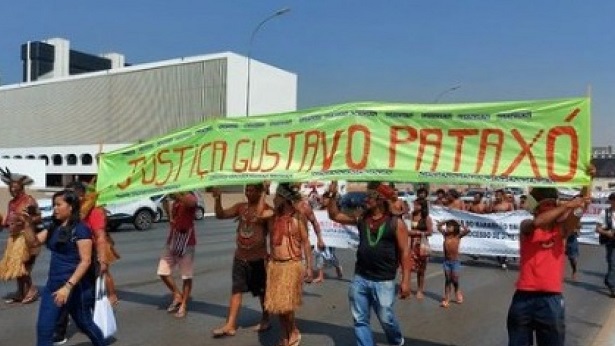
[63,120]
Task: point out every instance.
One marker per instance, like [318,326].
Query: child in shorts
[452,231]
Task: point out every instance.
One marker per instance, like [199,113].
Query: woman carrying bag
[70,283]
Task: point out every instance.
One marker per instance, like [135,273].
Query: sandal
[174,306]
[30,299]
[12,298]
[444,304]
[221,332]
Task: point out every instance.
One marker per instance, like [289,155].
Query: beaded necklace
[371,242]
[371,226]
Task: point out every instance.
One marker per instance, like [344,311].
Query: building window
[44,157]
[30,157]
[71,159]
[86,159]
[57,159]
[18,157]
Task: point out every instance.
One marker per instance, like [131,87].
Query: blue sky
[343,51]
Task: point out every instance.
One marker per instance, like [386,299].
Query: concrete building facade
[64,120]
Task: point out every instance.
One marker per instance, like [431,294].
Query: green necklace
[368,232]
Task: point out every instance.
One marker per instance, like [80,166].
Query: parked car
[45,206]
[199,214]
[140,213]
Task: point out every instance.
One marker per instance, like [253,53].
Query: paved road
[324,319]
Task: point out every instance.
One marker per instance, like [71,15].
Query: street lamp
[449,90]
[254,32]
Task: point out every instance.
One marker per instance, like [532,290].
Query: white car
[141,213]
[45,206]
[199,214]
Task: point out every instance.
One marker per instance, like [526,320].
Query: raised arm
[439,227]
[219,211]
[333,209]
[464,231]
[306,210]
[262,211]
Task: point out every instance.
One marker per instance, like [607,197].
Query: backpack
[608,222]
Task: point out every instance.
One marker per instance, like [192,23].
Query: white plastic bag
[103,312]
[425,248]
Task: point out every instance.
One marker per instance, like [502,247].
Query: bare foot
[444,303]
[420,295]
[459,297]
[318,279]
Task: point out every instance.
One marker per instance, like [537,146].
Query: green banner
[523,142]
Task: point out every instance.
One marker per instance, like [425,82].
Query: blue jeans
[609,278]
[536,312]
[380,295]
[80,305]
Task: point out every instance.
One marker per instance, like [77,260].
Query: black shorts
[249,276]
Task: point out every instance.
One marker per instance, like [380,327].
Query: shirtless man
[249,274]
[477,206]
[454,202]
[452,231]
[501,203]
[440,198]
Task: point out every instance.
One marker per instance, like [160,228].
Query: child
[572,250]
[326,257]
[452,232]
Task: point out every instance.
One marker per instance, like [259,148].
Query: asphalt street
[324,318]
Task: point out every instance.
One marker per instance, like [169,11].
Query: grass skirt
[284,286]
[16,254]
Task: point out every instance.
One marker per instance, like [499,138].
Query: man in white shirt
[604,228]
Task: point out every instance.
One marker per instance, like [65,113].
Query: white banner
[333,233]
[588,224]
[490,234]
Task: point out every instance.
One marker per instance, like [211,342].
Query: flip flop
[30,299]
[173,307]
[221,332]
[12,298]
